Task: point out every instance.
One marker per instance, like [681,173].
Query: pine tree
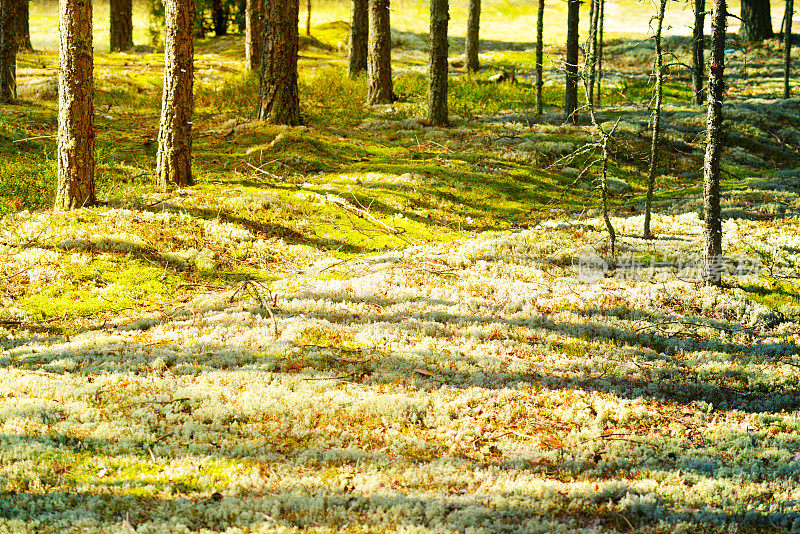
[698,51]
[278,100]
[359,32]
[756,20]
[472,43]
[8,50]
[121,25]
[787,47]
[379,56]
[253,33]
[539,56]
[24,26]
[437,89]
[571,84]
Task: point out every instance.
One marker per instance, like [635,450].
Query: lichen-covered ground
[366,324]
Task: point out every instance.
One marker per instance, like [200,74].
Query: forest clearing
[366,323]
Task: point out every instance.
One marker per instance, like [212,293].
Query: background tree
[379,55]
[571,83]
[220,12]
[591,45]
[712,214]
[473,30]
[75,188]
[174,160]
[437,88]
[359,34]
[121,25]
[599,53]
[698,51]
[23,26]
[756,20]
[539,55]
[787,46]
[308,17]
[8,50]
[278,101]
[253,33]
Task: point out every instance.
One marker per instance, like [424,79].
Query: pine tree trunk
[8,50]
[279,102]
[658,70]
[712,250]
[591,60]
[473,30]
[219,15]
[379,56]
[756,20]
[571,85]
[308,17]
[121,25]
[698,51]
[539,56]
[253,33]
[174,162]
[437,89]
[359,33]
[787,47]
[23,26]
[598,98]
[75,188]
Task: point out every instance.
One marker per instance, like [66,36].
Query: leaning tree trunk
[253,33]
[787,47]
[121,25]
[658,70]
[379,56]
[75,188]
[278,101]
[8,50]
[756,20]
[174,162]
[712,250]
[24,26]
[571,85]
[437,89]
[473,30]
[539,55]
[698,51]
[359,32]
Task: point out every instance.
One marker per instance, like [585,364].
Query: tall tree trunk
[756,20]
[473,30]
[253,33]
[174,162]
[571,85]
[121,25]
[591,60]
[437,89]
[24,26]
[379,56]
[712,214]
[658,70]
[75,188]
[787,47]
[359,32]
[698,51]
[599,57]
[539,56]
[219,15]
[308,17]
[8,50]
[279,102]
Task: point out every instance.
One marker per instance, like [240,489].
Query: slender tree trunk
[601,16]
[75,188]
[571,85]
[308,17]
[658,69]
[712,214]
[359,33]
[437,89]
[379,57]
[472,44]
[253,34]
[698,51]
[8,50]
[174,162]
[279,102]
[219,15]
[591,45]
[539,56]
[756,20]
[121,25]
[23,26]
[787,47]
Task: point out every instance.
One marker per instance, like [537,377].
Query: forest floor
[366,324]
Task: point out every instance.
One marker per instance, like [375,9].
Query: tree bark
[75,188]
[473,30]
[308,17]
[8,50]
[756,20]
[174,161]
[698,51]
[121,25]
[598,101]
[591,60]
[571,84]
[359,32]
[437,88]
[23,26]
[253,33]
[712,214]
[379,56]
[219,16]
[539,56]
[658,70]
[278,101]
[787,47]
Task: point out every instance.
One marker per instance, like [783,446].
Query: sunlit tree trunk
[121,25]
[253,33]
[698,51]
[539,56]
[571,85]
[279,102]
[379,56]
[75,188]
[174,162]
[24,26]
[756,20]
[787,47]
[359,34]
[658,71]
[437,89]
[473,30]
